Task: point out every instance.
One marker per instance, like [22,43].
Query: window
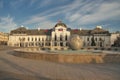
[42,44]
[55,43]
[28,39]
[66,37]
[42,39]
[95,39]
[60,37]
[55,37]
[61,44]
[87,39]
[35,39]
[32,39]
[39,39]
[100,39]
[32,44]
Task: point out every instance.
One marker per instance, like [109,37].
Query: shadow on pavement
[4,75]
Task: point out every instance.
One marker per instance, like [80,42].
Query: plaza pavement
[16,68]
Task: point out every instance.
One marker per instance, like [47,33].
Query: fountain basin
[95,56]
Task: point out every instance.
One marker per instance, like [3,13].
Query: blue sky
[85,14]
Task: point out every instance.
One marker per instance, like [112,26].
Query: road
[16,68]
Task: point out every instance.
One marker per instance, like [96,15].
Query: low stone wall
[71,58]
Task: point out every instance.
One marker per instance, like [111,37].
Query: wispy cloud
[32,2]
[78,12]
[106,11]
[46,24]
[51,13]
[45,2]
[7,24]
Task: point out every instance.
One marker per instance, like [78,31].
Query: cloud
[40,22]
[45,25]
[32,2]
[106,11]
[57,11]
[95,12]
[78,12]
[45,2]
[7,24]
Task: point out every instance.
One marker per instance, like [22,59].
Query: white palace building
[57,37]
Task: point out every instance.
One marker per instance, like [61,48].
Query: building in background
[57,37]
[3,38]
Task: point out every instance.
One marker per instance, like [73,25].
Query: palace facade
[58,37]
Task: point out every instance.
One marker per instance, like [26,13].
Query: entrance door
[61,44]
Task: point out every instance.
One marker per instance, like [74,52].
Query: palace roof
[23,30]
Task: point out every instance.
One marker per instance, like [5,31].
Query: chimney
[38,29]
[80,29]
[100,27]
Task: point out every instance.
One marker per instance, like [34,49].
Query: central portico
[60,35]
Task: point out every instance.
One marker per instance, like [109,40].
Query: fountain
[73,55]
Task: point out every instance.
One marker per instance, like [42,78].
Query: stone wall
[71,58]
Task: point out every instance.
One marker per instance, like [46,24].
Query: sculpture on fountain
[75,42]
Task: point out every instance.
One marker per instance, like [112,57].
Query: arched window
[32,39]
[66,37]
[42,39]
[61,37]
[39,39]
[55,37]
